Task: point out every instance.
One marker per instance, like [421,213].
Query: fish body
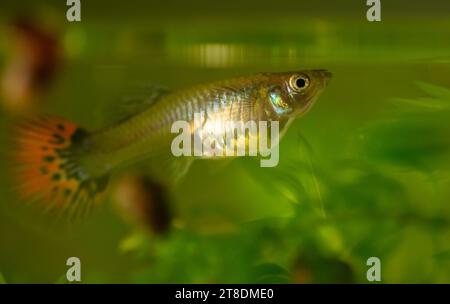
[85,159]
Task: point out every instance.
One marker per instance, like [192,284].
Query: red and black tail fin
[48,171]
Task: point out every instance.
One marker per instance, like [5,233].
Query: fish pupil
[300,83]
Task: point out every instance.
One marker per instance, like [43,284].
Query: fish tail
[48,171]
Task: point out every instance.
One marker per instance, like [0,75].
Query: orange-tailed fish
[66,167]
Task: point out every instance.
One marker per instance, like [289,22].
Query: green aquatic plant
[414,135]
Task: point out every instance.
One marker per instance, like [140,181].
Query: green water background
[356,179]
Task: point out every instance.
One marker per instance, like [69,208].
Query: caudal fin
[48,171]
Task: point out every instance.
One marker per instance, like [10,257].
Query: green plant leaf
[434,90]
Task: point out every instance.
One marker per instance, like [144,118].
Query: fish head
[292,94]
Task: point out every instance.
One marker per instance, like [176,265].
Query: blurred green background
[364,173]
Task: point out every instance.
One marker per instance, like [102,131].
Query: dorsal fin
[145,97]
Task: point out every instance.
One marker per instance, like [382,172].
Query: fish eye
[299,82]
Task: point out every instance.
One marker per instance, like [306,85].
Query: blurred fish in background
[34,57]
[141,202]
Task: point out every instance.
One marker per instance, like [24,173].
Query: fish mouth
[328,76]
[325,75]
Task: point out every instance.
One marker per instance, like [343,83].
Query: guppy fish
[64,166]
